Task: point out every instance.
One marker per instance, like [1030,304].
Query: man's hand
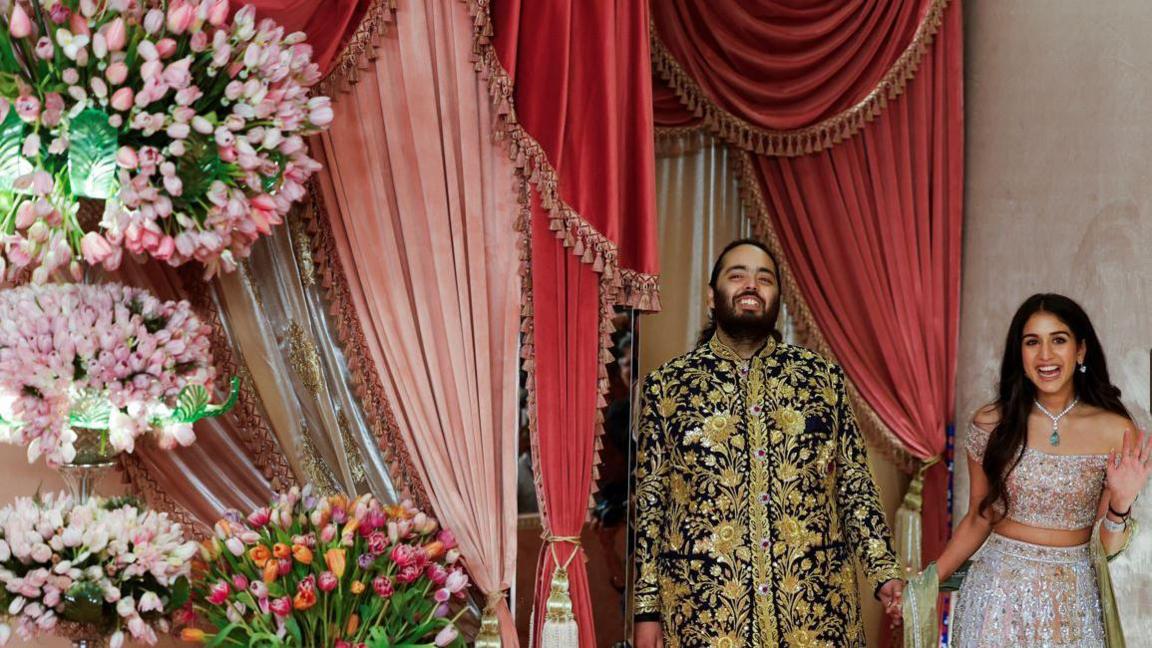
[649,634]
[892,597]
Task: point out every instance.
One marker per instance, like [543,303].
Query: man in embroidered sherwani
[753,494]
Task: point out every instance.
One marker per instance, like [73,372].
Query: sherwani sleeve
[651,499]
[862,516]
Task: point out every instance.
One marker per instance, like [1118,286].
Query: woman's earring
[1083,368]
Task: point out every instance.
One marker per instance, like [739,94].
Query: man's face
[746,300]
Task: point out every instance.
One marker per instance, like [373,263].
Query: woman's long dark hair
[1016,393]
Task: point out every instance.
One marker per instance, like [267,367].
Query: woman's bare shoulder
[987,417]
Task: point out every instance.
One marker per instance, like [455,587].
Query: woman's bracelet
[1115,527]
[1122,516]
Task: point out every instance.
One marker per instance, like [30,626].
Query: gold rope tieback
[489,636]
[560,629]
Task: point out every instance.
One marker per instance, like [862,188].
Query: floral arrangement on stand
[106,357]
[104,568]
[330,571]
[190,127]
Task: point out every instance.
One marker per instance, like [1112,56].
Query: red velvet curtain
[870,225]
[783,65]
[577,94]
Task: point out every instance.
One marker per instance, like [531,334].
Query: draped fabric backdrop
[571,81]
[699,211]
[422,206]
[849,122]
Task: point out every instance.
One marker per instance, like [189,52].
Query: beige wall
[1059,188]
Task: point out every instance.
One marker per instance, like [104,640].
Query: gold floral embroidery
[754,502]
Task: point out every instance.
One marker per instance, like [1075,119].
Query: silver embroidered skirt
[1028,596]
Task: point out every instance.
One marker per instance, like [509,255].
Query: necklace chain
[1054,438]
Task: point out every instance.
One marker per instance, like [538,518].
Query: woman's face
[1050,353]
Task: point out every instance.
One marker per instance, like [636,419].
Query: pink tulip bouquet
[102,357]
[329,571]
[190,126]
[102,568]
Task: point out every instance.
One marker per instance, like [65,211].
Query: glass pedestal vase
[95,456]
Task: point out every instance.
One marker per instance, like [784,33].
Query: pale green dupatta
[1113,632]
[921,618]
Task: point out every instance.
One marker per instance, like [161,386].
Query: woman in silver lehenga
[1055,464]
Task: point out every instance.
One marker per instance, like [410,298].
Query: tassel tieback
[489,635]
[560,629]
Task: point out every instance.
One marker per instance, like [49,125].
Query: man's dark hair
[709,329]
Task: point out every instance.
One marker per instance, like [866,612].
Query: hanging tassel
[489,636]
[560,629]
[909,528]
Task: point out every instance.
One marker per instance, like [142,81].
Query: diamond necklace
[1054,439]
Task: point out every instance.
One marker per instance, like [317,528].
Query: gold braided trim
[365,378]
[136,475]
[819,136]
[674,142]
[634,289]
[807,330]
[260,443]
[360,48]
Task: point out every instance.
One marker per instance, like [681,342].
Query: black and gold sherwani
[753,495]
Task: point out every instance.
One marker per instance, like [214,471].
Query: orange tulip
[192,635]
[357,587]
[350,528]
[397,511]
[434,549]
[304,599]
[281,551]
[353,625]
[260,555]
[271,571]
[334,558]
[302,554]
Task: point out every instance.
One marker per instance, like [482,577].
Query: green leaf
[92,155]
[12,164]
[199,167]
[294,629]
[181,590]
[194,404]
[222,636]
[8,62]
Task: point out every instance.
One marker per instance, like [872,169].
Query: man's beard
[745,327]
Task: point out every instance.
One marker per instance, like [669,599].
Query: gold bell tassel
[909,528]
[489,635]
[560,629]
